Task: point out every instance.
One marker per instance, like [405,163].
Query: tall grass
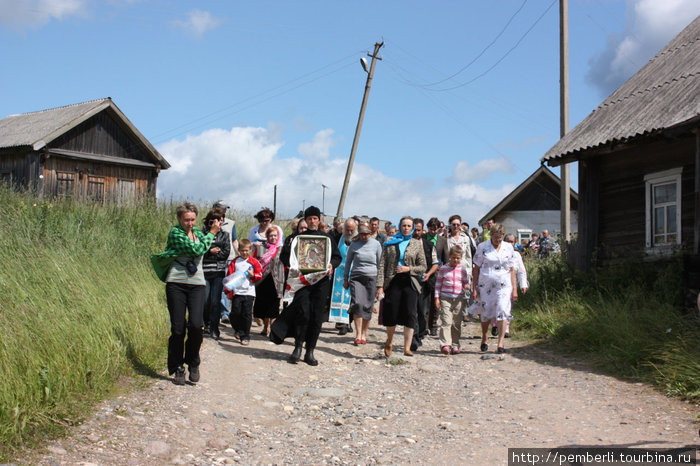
[626,319]
[80,307]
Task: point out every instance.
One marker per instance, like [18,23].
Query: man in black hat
[309,304]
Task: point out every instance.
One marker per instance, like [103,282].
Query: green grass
[626,320]
[81,308]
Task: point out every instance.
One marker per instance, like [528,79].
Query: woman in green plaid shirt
[185,291]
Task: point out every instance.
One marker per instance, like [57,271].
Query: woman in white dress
[494,284]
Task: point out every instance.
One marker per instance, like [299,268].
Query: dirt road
[356,407]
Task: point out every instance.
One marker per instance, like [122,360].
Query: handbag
[161,265]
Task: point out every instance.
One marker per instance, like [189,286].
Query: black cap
[312,211]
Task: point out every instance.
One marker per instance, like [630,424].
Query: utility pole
[358,128]
[274,205]
[323,206]
[564,115]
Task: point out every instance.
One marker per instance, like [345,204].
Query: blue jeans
[213,302]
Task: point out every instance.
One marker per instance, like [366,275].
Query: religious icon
[312,253]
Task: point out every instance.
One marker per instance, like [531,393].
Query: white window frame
[524,233]
[673,175]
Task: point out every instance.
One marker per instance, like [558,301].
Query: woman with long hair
[214,265]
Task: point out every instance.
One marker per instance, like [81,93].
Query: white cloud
[242,166]
[651,24]
[198,22]
[464,172]
[36,13]
[320,147]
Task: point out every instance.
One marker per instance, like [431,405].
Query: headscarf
[272,249]
[402,241]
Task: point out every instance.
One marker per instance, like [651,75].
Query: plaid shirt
[179,244]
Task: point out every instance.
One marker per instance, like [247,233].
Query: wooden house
[89,151]
[638,155]
[533,206]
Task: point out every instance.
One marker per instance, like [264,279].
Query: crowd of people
[427,278]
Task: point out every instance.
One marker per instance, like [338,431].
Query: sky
[243,96]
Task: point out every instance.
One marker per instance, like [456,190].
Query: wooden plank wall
[621,213]
[21,168]
[102,135]
[85,172]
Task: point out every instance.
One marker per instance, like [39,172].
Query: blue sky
[241,96]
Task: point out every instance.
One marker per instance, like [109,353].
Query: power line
[510,20]
[504,55]
[267,91]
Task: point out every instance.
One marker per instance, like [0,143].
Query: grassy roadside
[626,320]
[81,308]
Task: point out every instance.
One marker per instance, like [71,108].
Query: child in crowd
[452,282]
[242,298]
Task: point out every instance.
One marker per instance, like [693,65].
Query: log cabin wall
[20,169]
[97,181]
[621,193]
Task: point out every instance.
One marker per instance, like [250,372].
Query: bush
[626,318]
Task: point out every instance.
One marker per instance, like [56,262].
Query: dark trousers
[312,312]
[434,313]
[185,304]
[212,304]
[423,308]
[242,315]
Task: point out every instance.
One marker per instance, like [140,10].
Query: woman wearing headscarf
[494,284]
[360,276]
[185,291]
[402,262]
[270,288]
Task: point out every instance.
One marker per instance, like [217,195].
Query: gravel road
[357,407]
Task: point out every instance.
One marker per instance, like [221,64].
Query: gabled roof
[663,95]
[37,129]
[542,172]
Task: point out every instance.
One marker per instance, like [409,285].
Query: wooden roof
[37,129]
[537,179]
[663,95]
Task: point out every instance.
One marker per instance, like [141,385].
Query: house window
[524,235]
[65,183]
[663,208]
[96,188]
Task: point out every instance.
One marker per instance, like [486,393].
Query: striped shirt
[451,281]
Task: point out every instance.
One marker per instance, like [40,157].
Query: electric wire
[260,94]
[483,51]
[504,55]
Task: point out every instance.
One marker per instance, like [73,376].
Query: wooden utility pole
[274,205]
[564,115]
[358,128]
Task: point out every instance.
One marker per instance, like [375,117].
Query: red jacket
[257,272]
